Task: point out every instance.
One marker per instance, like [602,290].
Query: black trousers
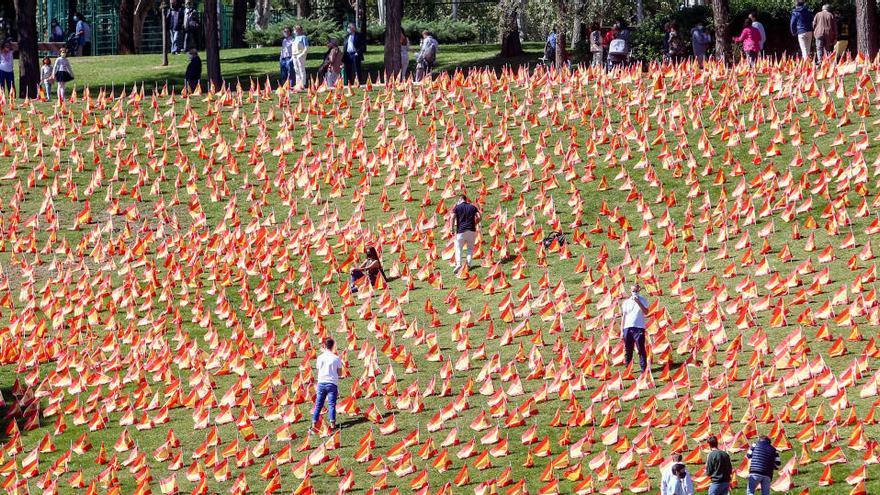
[352,65]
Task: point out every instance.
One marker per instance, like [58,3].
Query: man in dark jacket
[801,26]
[353,54]
[718,468]
[174,22]
[193,70]
[764,460]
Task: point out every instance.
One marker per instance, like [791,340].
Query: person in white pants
[298,56]
[801,26]
[465,218]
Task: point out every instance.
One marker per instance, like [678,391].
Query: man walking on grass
[763,460]
[465,217]
[328,365]
[718,468]
[632,325]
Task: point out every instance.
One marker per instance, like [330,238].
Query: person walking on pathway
[427,57]
[465,218]
[62,73]
[801,26]
[632,325]
[193,70]
[83,36]
[764,459]
[175,25]
[329,365]
[284,58]
[353,55]
[718,468]
[760,27]
[298,51]
[824,31]
[751,41]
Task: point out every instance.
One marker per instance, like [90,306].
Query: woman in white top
[62,72]
[404,54]
[7,67]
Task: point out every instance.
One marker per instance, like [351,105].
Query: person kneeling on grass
[329,366]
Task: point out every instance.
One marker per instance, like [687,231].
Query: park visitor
[62,73]
[193,70]
[370,267]
[7,67]
[329,365]
[285,56]
[83,36]
[427,57]
[404,54]
[763,460]
[56,34]
[46,77]
[676,480]
[751,41]
[619,46]
[596,47]
[353,54]
[824,31]
[298,51]
[191,25]
[677,46]
[760,27]
[332,67]
[465,218]
[718,468]
[801,26]
[174,21]
[632,324]
[550,47]
[701,40]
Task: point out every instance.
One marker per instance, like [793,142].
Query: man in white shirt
[328,366]
[299,48]
[676,480]
[632,324]
[760,27]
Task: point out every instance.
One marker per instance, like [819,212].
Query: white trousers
[299,68]
[464,240]
[805,40]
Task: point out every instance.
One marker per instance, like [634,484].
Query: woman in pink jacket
[751,41]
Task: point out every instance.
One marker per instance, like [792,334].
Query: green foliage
[318,30]
[647,38]
[445,30]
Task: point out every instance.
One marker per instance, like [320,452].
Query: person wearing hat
[193,70]
[632,323]
[62,73]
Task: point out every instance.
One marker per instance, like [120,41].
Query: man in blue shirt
[83,36]
[801,26]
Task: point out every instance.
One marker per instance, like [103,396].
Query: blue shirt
[551,40]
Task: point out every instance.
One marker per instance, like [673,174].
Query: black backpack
[557,236]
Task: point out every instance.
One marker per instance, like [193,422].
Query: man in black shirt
[465,219]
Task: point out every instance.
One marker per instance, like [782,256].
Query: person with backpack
[824,31]
[751,41]
[191,25]
[677,46]
[174,21]
[701,41]
[465,218]
[427,56]
[763,460]
[801,26]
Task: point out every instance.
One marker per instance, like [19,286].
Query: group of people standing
[345,59]
[183,24]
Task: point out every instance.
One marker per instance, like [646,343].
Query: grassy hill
[170,265]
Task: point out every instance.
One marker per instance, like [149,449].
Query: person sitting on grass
[370,267]
[329,365]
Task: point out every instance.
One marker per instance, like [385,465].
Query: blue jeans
[756,480]
[286,72]
[175,41]
[719,489]
[635,337]
[327,392]
[7,80]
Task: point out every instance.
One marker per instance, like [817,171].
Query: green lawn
[220,226]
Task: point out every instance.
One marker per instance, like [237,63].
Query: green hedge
[445,30]
[318,31]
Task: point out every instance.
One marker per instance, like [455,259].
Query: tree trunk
[521,19]
[561,23]
[721,14]
[454,14]
[380,7]
[510,42]
[163,11]
[29,61]
[360,13]
[640,11]
[303,8]
[867,27]
[239,23]
[125,41]
[141,9]
[263,11]
[212,43]
[393,16]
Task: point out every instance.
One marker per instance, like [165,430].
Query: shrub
[318,30]
[445,30]
[647,38]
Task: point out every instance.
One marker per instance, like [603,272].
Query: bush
[318,31]
[445,30]
[647,38]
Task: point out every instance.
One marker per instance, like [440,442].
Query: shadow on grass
[22,413]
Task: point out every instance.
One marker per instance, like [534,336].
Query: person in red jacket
[751,41]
